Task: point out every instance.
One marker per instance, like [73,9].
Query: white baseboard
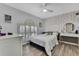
[25,43]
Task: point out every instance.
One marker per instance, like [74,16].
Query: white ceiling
[36,9]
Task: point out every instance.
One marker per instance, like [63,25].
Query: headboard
[48,32]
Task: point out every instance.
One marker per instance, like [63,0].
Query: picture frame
[7,18]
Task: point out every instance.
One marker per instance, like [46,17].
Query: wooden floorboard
[66,50]
[60,50]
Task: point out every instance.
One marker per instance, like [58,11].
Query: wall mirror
[69,27]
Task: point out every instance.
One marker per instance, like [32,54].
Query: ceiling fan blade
[44,5]
[50,10]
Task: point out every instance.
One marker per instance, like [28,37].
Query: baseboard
[25,43]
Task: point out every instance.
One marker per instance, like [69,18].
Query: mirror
[69,27]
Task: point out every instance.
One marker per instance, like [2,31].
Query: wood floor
[60,50]
[66,50]
[29,50]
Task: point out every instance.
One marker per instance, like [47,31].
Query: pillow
[49,33]
[55,33]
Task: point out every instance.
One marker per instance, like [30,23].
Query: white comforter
[47,41]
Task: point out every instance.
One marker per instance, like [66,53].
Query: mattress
[38,40]
[46,41]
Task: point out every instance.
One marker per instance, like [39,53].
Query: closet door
[35,29]
[32,30]
[27,32]
[22,29]
[22,32]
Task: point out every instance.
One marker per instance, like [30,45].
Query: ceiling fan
[45,9]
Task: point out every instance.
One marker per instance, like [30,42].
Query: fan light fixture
[45,10]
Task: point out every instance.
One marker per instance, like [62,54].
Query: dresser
[73,35]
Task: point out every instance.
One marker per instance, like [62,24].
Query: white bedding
[46,41]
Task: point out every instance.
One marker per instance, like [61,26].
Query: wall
[17,17]
[57,23]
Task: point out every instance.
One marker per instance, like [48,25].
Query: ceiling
[36,8]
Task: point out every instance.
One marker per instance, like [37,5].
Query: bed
[46,41]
